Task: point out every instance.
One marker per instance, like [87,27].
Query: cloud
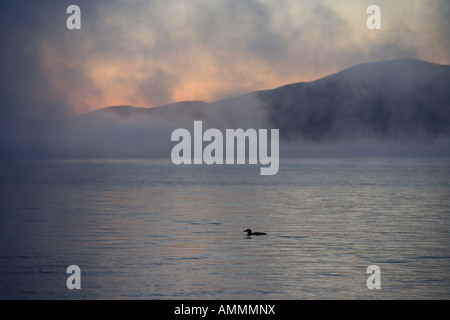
[149,53]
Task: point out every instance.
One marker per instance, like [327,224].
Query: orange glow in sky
[149,54]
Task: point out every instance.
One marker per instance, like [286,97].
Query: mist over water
[149,229]
[398,107]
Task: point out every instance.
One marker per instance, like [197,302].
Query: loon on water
[250,233]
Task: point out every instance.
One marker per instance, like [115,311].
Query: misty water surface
[152,230]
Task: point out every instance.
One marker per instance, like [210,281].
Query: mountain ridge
[289,85]
[395,101]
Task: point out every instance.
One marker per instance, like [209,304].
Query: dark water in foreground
[152,230]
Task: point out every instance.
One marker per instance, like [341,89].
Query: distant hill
[400,99]
[390,101]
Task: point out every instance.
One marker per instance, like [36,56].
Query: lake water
[152,230]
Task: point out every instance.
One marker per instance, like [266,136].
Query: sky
[150,53]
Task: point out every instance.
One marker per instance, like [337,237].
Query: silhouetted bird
[250,233]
